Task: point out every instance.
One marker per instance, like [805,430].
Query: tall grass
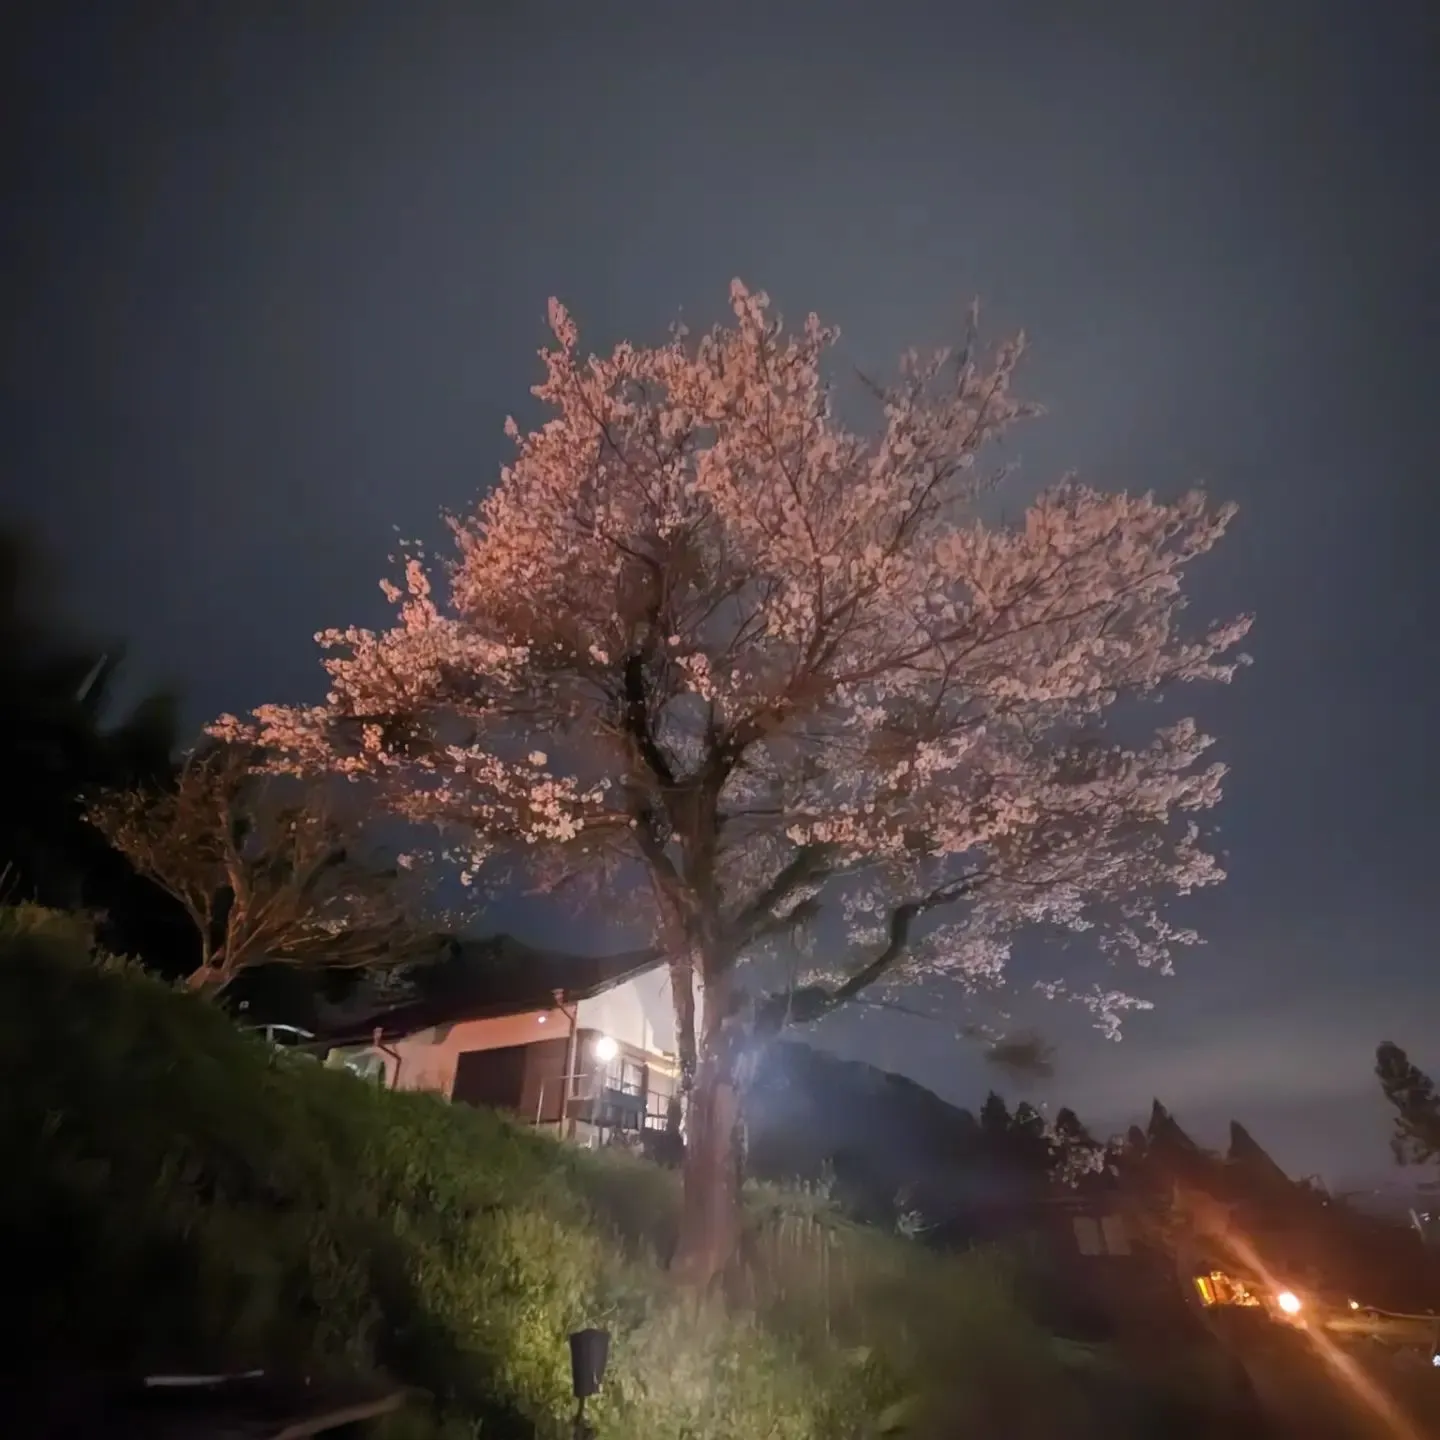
[176,1194]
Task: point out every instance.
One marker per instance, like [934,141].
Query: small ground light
[1289,1302]
[589,1355]
[1354,1304]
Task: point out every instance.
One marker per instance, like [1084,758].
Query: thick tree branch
[638,723]
[809,863]
[811,1002]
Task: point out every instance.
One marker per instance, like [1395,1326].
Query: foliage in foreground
[183,1196]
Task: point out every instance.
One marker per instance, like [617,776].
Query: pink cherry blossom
[705,641]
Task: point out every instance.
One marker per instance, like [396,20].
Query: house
[580,1045]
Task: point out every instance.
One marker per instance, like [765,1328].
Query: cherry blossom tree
[704,642]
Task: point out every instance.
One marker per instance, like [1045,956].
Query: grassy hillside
[178,1195]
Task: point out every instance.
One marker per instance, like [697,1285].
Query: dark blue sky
[273,278]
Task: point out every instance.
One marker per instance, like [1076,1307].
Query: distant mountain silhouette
[888,1143]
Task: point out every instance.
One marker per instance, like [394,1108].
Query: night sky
[274,274]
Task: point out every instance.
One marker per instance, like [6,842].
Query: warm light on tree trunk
[710,1213]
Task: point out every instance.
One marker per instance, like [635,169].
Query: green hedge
[177,1194]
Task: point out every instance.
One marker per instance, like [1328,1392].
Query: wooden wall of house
[493,1077]
[540,1098]
[429,1058]
[526,1080]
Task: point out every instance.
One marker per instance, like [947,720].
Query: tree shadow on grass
[418,1348]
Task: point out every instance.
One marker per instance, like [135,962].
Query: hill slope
[879,1135]
[184,1197]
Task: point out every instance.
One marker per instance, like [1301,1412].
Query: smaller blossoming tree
[706,645]
[266,878]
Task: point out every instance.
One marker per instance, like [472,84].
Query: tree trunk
[682,995]
[207,981]
[710,1207]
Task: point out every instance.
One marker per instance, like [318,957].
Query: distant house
[573,1044]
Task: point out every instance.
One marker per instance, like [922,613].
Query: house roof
[481,980]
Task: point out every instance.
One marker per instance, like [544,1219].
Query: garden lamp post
[589,1355]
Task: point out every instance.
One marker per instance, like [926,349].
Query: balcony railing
[606,1099]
